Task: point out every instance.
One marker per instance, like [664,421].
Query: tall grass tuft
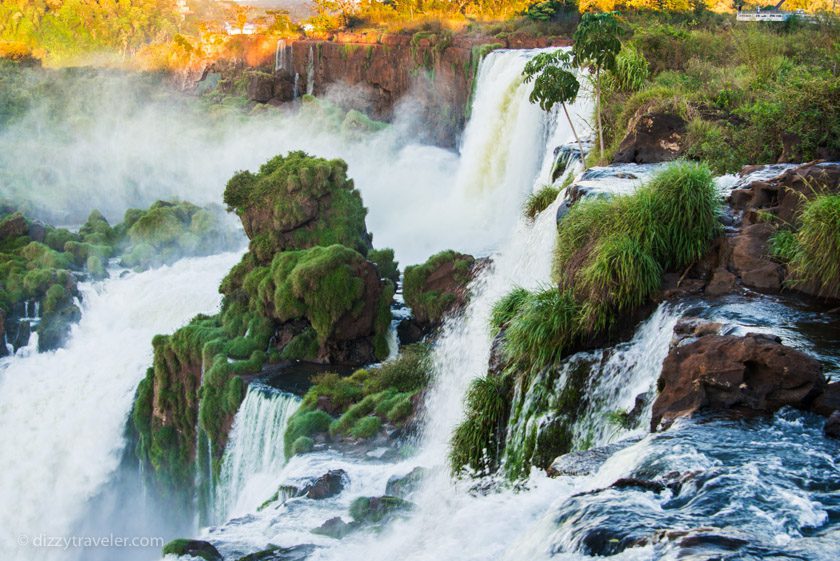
[619,278]
[545,327]
[477,442]
[541,200]
[818,241]
[507,308]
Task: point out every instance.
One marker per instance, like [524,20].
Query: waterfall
[310,72]
[254,453]
[280,55]
[62,413]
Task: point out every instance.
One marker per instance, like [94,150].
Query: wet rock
[722,282]
[410,331]
[717,541]
[334,528]
[438,287]
[195,548]
[403,486]
[13,226]
[368,510]
[688,329]
[328,485]
[636,483]
[752,373]
[652,137]
[586,462]
[828,401]
[832,425]
[751,260]
[277,553]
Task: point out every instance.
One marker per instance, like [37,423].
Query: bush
[304,423]
[385,263]
[545,328]
[366,427]
[507,308]
[541,200]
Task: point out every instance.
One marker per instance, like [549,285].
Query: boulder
[194,548]
[754,373]
[832,425]
[438,287]
[365,510]
[403,486]
[750,258]
[334,528]
[829,401]
[652,137]
[328,485]
[13,226]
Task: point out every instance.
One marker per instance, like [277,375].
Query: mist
[112,141]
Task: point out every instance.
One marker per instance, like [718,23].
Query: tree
[597,43]
[554,83]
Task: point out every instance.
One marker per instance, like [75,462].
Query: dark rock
[751,260]
[277,553]
[752,373]
[328,485]
[635,483]
[692,328]
[260,86]
[718,541]
[38,232]
[829,401]
[409,331]
[13,226]
[407,484]
[832,425]
[195,548]
[652,137]
[722,282]
[334,528]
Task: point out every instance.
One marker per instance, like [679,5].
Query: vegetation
[433,288]
[609,260]
[385,263]
[805,250]
[541,200]
[749,94]
[358,406]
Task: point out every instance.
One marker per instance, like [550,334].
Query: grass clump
[507,308]
[385,263]
[783,245]
[478,441]
[366,427]
[539,201]
[545,328]
[304,425]
[817,245]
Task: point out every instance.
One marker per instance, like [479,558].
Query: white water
[254,453]
[62,413]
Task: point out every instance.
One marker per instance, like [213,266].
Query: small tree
[597,42]
[554,83]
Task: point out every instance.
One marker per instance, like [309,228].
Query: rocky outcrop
[753,374]
[438,287]
[193,548]
[13,226]
[328,485]
[651,138]
[742,256]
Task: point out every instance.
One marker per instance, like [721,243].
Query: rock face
[328,485]
[652,137]
[754,373]
[438,287]
[742,257]
[13,226]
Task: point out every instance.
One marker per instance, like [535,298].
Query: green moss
[305,424]
[539,201]
[371,510]
[366,427]
[311,202]
[302,445]
[303,346]
[430,304]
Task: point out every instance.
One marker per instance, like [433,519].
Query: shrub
[366,427]
[539,201]
[304,423]
[428,303]
[302,445]
[384,260]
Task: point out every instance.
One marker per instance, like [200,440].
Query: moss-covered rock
[192,548]
[438,286]
[297,202]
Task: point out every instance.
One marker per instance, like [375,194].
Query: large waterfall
[62,413]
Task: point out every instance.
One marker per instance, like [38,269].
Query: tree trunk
[598,110]
[574,132]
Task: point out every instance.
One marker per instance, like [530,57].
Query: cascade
[63,412]
[310,72]
[254,453]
